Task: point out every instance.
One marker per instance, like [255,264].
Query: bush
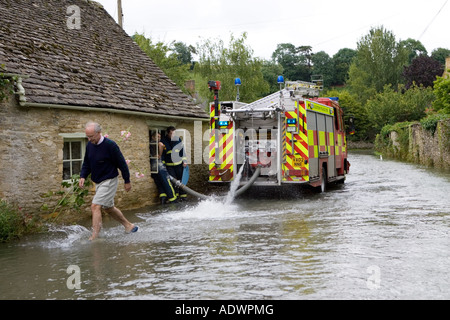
[14,223]
[399,148]
[430,122]
[10,222]
[392,106]
[442,93]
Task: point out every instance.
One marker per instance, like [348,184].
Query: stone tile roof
[95,65]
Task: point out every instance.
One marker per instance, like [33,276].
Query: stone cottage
[70,63]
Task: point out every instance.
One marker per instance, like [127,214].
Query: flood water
[384,234]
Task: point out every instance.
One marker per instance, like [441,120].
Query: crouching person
[159,171]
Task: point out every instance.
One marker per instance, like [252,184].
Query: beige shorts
[105,193]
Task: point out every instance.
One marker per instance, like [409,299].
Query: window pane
[66,170]
[66,153]
[76,167]
[76,150]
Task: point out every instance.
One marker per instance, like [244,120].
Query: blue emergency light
[291,121]
[223,123]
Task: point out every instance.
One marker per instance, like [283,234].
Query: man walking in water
[101,160]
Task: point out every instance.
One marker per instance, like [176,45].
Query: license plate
[298,162]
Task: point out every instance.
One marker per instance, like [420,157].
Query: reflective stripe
[173,191]
[296,146]
[224,148]
[174,164]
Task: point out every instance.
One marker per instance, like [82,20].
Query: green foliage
[71,197]
[431,121]
[385,145]
[353,108]
[414,48]
[271,70]
[379,60]
[359,83]
[391,106]
[442,93]
[166,59]
[14,222]
[183,52]
[217,62]
[10,222]
[323,65]
[440,54]
[6,87]
[341,65]
[296,61]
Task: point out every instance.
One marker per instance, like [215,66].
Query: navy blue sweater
[102,162]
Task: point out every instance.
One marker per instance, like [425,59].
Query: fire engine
[289,137]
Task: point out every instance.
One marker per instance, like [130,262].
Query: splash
[66,236]
[234,186]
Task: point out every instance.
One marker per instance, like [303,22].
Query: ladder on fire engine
[292,88]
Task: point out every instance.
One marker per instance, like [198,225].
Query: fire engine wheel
[323,184]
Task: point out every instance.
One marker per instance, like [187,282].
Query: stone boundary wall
[430,149]
[418,145]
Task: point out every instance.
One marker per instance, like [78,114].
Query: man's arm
[122,165]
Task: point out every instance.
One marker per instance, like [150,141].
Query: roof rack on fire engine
[303,88]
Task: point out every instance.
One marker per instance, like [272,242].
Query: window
[73,154]
[154,150]
[73,157]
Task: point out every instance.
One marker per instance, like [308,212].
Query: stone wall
[430,149]
[415,144]
[31,153]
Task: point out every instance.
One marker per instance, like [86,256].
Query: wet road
[384,234]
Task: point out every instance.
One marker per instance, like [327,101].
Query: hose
[240,191]
[249,183]
[187,189]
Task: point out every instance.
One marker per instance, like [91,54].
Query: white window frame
[156,146]
[73,137]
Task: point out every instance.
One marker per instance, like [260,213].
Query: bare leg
[118,215]
[96,220]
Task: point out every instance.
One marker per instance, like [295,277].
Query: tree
[323,65]
[342,61]
[440,54]
[422,71]
[217,62]
[415,48]
[296,61]
[183,52]
[380,60]
[162,55]
[271,70]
